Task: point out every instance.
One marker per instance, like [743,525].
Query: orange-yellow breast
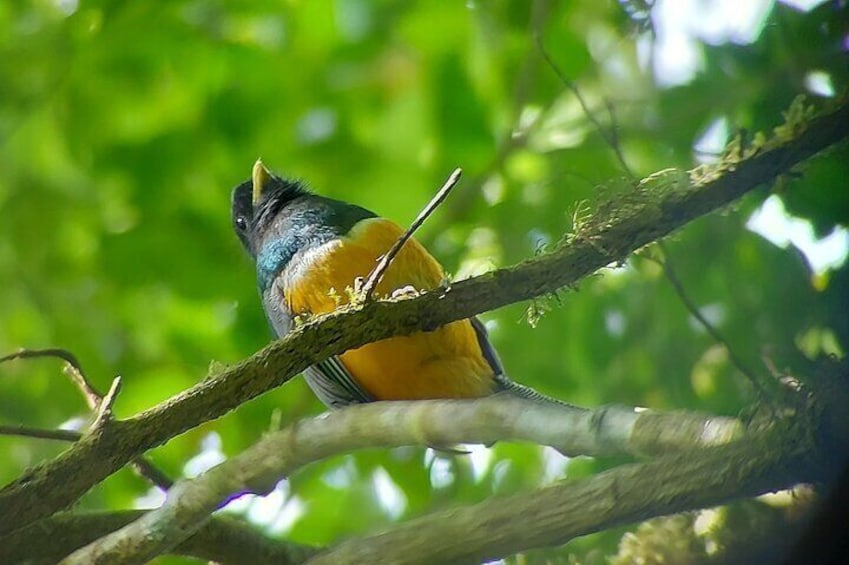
[445,363]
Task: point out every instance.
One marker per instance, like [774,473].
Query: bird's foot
[408,291]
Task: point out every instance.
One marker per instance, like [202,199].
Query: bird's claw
[408,291]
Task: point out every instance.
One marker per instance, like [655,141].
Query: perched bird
[309,249]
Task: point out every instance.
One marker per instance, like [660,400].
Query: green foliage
[123,126]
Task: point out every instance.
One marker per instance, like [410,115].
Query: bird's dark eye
[242,223]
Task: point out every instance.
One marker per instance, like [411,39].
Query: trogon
[309,249]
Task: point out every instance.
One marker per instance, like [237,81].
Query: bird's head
[258,201]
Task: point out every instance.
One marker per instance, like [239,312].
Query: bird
[309,251]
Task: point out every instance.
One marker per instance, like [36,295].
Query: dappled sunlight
[210,455]
[441,469]
[819,83]
[391,498]
[341,476]
[681,24]
[772,222]
[709,145]
[480,458]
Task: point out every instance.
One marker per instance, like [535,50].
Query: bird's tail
[512,387]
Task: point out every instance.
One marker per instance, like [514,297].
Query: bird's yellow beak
[259,177]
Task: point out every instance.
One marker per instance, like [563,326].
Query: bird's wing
[504,382]
[333,384]
[486,347]
[329,379]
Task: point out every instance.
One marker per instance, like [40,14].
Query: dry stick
[104,410]
[73,369]
[567,82]
[374,278]
[102,405]
[221,540]
[145,468]
[24,431]
[672,277]
[141,465]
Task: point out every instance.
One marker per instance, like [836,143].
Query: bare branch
[142,466]
[386,259]
[554,515]
[104,409]
[102,405]
[610,137]
[38,433]
[385,424]
[221,540]
[73,369]
[672,277]
[145,468]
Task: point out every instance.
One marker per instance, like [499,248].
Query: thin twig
[673,279]
[141,465]
[377,273]
[104,409]
[100,404]
[146,469]
[770,365]
[72,368]
[611,139]
[92,396]
[23,431]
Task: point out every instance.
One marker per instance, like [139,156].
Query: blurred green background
[124,125]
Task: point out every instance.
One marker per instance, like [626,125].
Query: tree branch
[103,414]
[73,369]
[807,444]
[696,313]
[39,433]
[554,515]
[609,430]
[99,404]
[221,540]
[610,135]
[386,259]
[654,209]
